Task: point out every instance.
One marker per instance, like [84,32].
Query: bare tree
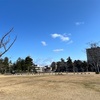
[3,42]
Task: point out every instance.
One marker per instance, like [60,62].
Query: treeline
[27,65]
[21,65]
[72,66]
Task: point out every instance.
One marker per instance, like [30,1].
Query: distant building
[39,69]
[93,55]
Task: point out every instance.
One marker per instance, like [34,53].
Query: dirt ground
[50,87]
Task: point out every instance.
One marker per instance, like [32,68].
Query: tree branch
[3,44]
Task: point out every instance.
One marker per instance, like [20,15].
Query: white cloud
[62,37]
[44,43]
[58,50]
[79,23]
[55,35]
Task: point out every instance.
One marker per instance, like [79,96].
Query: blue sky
[49,30]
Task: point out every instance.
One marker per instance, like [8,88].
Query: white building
[39,69]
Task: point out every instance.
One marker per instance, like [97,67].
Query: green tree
[23,68]
[2,70]
[62,65]
[28,63]
[84,66]
[80,66]
[70,66]
[18,65]
[53,66]
[6,64]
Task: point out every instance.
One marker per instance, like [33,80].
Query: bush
[97,72]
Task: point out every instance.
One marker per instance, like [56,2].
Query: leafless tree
[4,41]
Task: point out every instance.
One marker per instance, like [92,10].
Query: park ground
[50,87]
